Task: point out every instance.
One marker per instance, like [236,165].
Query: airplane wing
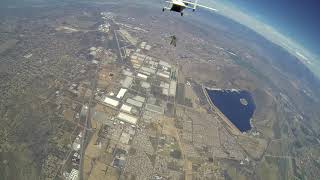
[178,2]
[195,4]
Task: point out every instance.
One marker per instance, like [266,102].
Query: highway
[88,115]
[87,122]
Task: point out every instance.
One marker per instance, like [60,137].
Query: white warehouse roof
[165,91]
[165,64]
[142,76]
[148,47]
[143,44]
[149,70]
[163,74]
[127,118]
[139,98]
[111,101]
[127,82]
[126,108]
[173,87]
[121,93]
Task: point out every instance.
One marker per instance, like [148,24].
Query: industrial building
[127,82]
[148,70]
[173,87]
[148,47]
[127,118]
[111,102]
[165,88]
[104,28]
[139,98]
[155,108]
[142,76]
[164,85]
[164,74]
[164,70]
[121,93]
[119,158]
[127,72]
[164,64]
[143,44]
[124,138]
[145,85]
[76,144]
[126,108]
[165,91]
[84,111]
[134,102]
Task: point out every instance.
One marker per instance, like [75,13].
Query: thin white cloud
[269,32]
[301,55]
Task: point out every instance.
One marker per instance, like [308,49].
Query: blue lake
[228,102]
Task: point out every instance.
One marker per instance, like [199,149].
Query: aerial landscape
[97,90]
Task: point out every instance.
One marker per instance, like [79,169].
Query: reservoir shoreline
[235,106]
[234,130]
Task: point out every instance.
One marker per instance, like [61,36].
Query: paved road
[88,116]
[87,122]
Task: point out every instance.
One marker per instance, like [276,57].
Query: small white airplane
[180,5]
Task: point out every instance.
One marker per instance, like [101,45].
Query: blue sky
[290,24]
[298,19]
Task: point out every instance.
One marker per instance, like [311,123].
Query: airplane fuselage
[177,8]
